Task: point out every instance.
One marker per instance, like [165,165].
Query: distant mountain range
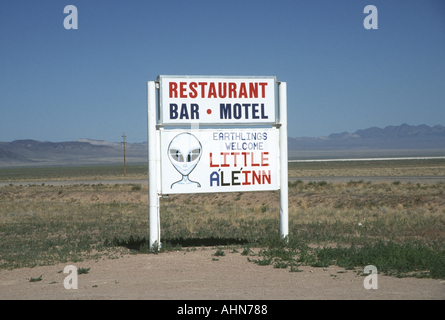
[82,151]
[391,137]
[414,139]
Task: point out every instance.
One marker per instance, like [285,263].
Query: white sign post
[215,134]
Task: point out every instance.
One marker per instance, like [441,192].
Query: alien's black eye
[176,155]
[193,155]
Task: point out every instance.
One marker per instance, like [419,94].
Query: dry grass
[80,173]
[44,224]
[351,203]
[434,167]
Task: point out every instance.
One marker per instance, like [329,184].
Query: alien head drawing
[184,153]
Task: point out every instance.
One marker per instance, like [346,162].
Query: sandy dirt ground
[197,275]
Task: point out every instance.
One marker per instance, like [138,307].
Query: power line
[125,164]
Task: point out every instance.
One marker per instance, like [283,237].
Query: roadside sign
[216,134]
[226,160]
[216,100]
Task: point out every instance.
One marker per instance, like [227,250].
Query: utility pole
[125,164]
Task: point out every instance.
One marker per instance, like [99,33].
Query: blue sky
[62,85]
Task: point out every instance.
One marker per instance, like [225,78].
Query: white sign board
[214,160]
[217,100]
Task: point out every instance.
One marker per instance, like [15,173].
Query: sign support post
[153,198]
[284,200]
